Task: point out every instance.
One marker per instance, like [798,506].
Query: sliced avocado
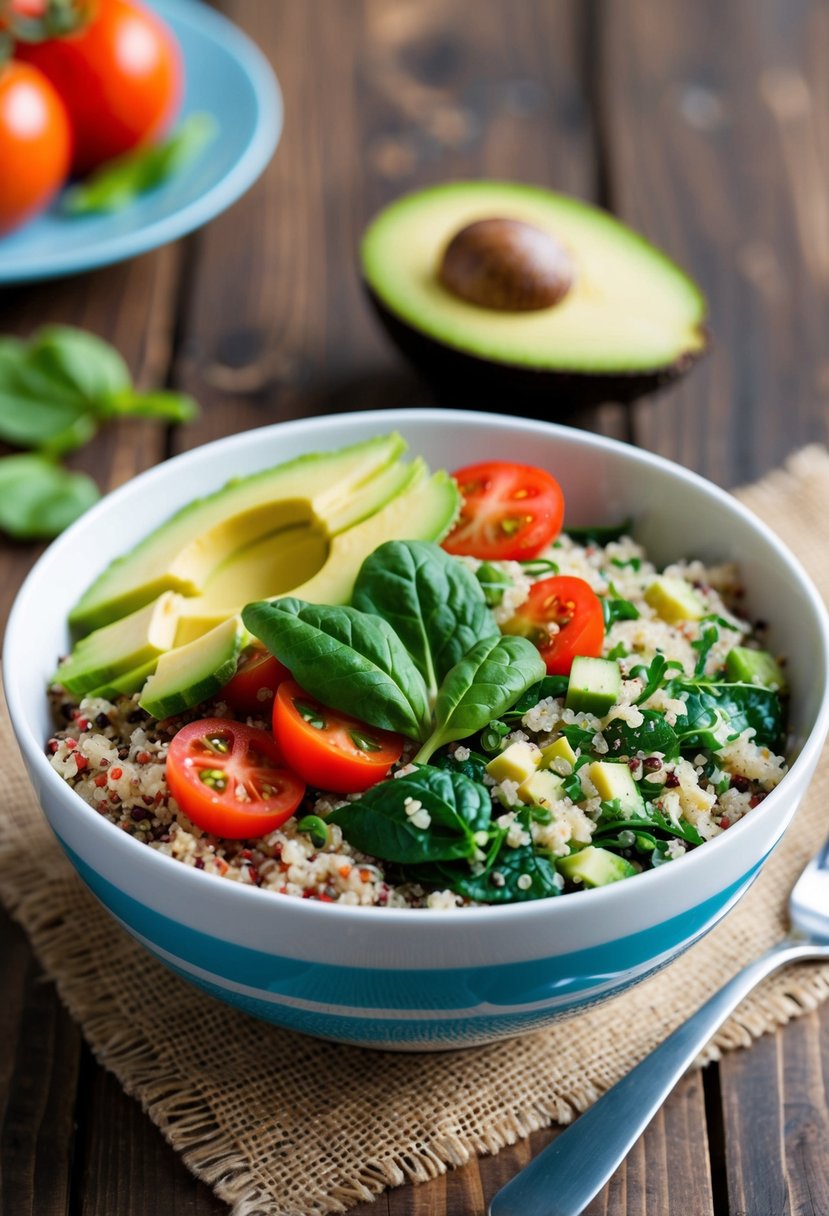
[560,750]
[515,763]
[190,674]
[614,782]
[674,600]
[595,867]
[595,685]
[541,788]
[498,286]
[331,489]
[424,510]
[746,666]
[127,684]
[115,649]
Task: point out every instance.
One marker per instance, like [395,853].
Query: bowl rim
[390,419]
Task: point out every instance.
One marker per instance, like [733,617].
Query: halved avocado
[497,289]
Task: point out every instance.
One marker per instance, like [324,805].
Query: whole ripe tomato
[120,77]
[35,143]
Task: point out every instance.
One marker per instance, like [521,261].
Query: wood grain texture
[714,125]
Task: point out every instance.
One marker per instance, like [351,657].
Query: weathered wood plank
[776,1125]
[39,1052]
[278,326]
[133,1171]
[712,117]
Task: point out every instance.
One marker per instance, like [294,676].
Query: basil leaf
[485,683]
[433,603]
[654,735]
[80,365]
[117,183]
[379,824]
[349,660]
[32,411]
[38,498]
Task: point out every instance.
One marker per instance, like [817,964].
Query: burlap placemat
[281,1125]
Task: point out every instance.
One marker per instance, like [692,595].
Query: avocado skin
[460,379]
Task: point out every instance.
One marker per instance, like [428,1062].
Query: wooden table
[703,124]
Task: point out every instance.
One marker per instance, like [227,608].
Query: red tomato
[35,143]
[252,689]
[573,605]
[509,511]
[230,779]
[329,749]
[120,77]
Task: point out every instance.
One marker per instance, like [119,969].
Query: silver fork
[563,1178]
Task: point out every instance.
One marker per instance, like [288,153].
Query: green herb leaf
[433,603]
[473,767]
[379,823]
[655,675]
[493,583]
[549,686]
[165,406]
[616,608]
[740,706]
[600,535]
[345,659]
[482,686]
[119,182]
[654,735]
[38,499]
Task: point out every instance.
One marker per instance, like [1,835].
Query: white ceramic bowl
[406,978]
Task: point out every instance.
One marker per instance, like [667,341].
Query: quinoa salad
[571,780]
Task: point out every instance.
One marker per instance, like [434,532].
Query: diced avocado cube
[560,750]
[614,782]
[595,686]
[541,789]
[595,867]
[674,600]
[515,763]
[746,666]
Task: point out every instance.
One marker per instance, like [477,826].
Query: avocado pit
[507,266]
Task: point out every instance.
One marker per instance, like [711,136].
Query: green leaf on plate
[38,498]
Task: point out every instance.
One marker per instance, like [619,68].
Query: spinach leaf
[474,767]
[600,535]
[349,660]
[740,706]
[503,878]
[654,735]
[118,182]
[616,608]
[380,823]
[433,603]
[38,498]
[485,683]
[549,686]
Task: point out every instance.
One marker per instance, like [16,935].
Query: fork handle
[563,1178]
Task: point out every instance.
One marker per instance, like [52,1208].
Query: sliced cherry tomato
[35,143]
[509,511]
[572,605]
[120,76]
[331,750]
[252,689]
[230,779]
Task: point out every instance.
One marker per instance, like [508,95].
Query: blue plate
[228,77]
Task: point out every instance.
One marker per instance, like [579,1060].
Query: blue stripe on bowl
[299,993]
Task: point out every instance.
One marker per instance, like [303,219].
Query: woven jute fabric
[281,1125]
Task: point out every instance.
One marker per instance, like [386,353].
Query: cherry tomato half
[509,511]
[329,749]
[120,77]
[572,605]
[230,779]
[35,143]
[252,689]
